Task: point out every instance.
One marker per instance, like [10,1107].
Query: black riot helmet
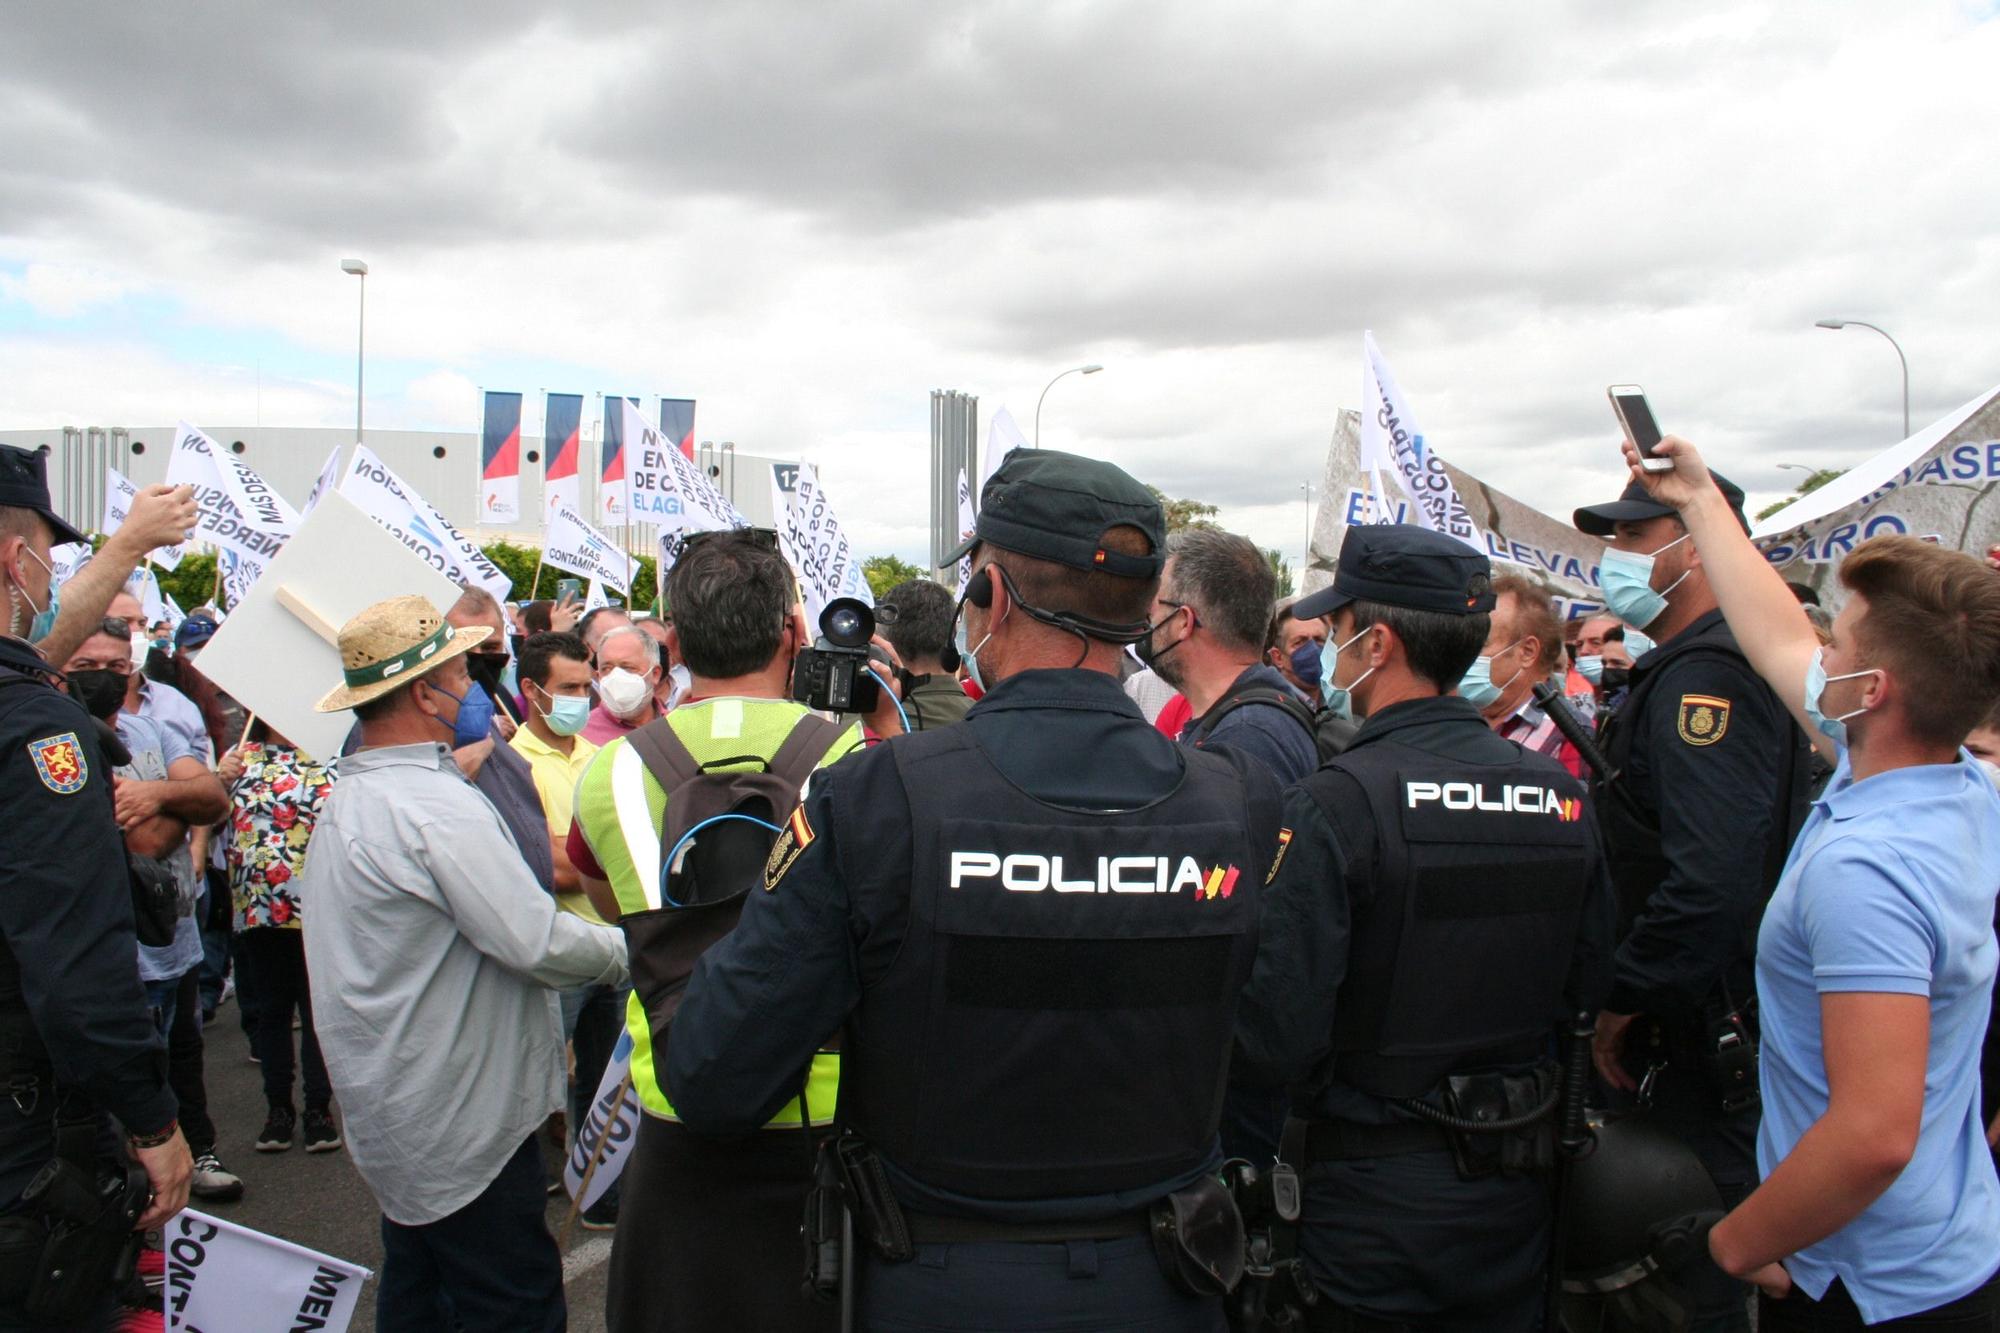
[1639,1206]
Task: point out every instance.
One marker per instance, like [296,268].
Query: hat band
[376,673]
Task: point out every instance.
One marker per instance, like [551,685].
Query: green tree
[1806,487]
[1184,513]
[886,571]
[1282,569]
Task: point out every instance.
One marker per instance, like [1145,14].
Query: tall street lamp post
[1863,324]
[359,270]
[1073,370]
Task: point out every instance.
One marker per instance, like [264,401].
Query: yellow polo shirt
[556,776]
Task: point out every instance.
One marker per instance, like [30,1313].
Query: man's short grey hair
[474,600]
[1227,581]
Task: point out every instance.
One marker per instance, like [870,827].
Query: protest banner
[500,458]
[677,424]
[669,491]
[395,504]
[1510,533]
[570,542]
[594,598]
[1938,485]
[341,562]
[965,522]
[119,493]
[1391,441]
[221,493]
[1002,438]
[816,546]
[329,477]
[603,1142]
[65,559]
[174,613]
[562,449]
[226,1278]
[143,584]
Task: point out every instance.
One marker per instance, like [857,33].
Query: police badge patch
[1703,720]
[60,764]
[796,836]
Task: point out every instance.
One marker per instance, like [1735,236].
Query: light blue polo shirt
[1890,888]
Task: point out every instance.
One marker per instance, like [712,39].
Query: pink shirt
[605,725]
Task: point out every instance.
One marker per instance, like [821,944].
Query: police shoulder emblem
[60,764]
[794,838]
[1284,845]
[1703,719]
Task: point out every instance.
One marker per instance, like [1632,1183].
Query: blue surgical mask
[969,655]
[1627,580]
[1337,698]
[1476,686]
[1306,659]
[475,715]
[45,619]
[1833,728]
[1591,668]
[1637,645]
[566,714]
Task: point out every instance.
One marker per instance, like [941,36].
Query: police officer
[1439,904]
[1708,785]
[1030,930]
[75,1039]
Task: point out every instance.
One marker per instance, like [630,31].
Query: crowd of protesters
[421,937]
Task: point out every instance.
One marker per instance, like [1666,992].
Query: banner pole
[535,587]
[215,593]
[590,1167]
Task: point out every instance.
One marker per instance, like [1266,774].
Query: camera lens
[842,624]
[847,622]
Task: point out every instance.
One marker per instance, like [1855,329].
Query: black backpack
[710,869]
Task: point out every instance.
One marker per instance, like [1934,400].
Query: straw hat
[391,644]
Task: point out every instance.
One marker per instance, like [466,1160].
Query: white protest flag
[225,1278]
[817,548]
[174,613]
[570,542]
[1933,485]
[256,537]
[143,584]
[66,559]
[667,488]
[1391,439]
[1510,532]
[965,522]
[1002,438]
[613,1120]
[237,576]
[119,493]
[395,504]
[329,477]
[593,597]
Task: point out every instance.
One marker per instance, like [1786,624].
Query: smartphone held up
[1628,401]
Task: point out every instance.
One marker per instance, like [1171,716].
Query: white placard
[226,1278]
[119,493]
[416,522]
[340,563]
[570,542]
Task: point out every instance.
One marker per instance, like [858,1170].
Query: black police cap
[1633,505]
[1057,506]
[24,484]
[1401,564]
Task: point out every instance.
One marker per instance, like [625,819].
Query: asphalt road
[319,1200]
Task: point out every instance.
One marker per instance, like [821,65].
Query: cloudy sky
[807,216]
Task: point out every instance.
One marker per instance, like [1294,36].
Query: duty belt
[1308,1141]
[931,1229]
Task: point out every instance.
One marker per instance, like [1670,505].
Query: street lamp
[1073,370]
[1859,323]
[1798,467]
[359,270]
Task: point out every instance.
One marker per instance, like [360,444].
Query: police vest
[1481,872]
[1631,825]
[620,807]
[1058,1019]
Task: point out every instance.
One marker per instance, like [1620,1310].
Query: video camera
[832,676]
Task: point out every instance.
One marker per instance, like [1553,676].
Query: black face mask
[1615,678]
[486,669]
[101,692]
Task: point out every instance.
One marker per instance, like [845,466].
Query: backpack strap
[811,737]
[1255,694]
[667,756]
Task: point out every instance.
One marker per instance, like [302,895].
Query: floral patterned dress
[273,808]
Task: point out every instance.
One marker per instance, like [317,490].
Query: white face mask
[625,693]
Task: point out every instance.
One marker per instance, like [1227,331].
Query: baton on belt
[1549,698]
